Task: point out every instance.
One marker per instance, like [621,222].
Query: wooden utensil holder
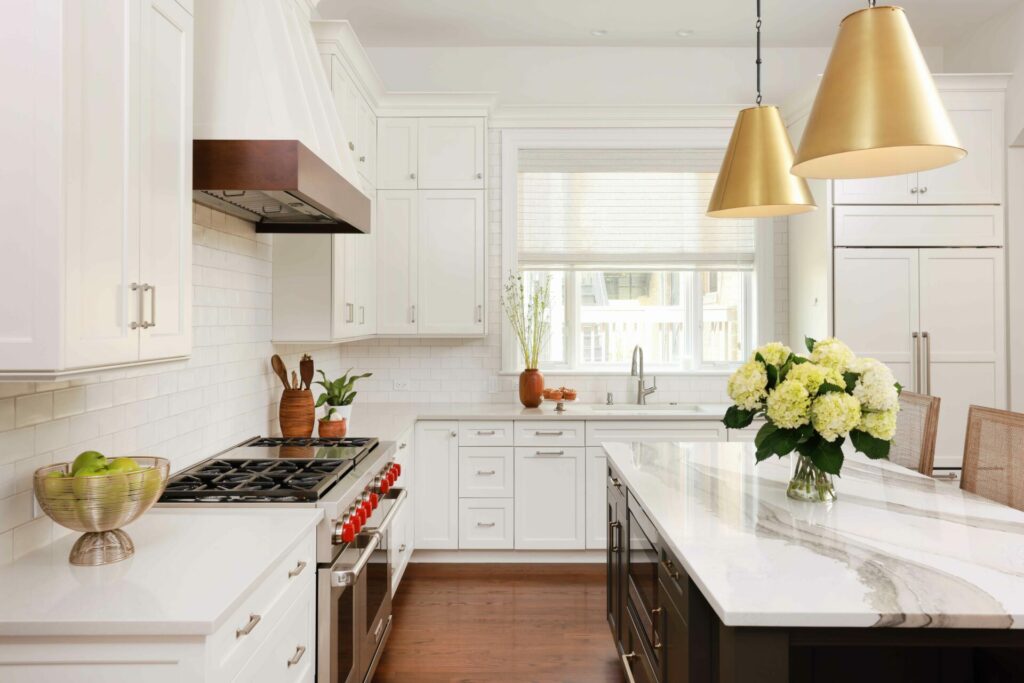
[297,413]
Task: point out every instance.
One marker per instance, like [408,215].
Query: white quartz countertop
[896,549]
[190,570]
[387,421]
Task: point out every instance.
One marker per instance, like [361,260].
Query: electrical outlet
[401,385]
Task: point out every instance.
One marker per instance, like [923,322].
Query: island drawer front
[635,655]
[485,433]
[486,524]
[603,431]
[486,472]
[288,655]
[268,601]
[550,433]
[675,580]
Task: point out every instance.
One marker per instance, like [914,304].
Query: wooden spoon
[279,369]
[306,371]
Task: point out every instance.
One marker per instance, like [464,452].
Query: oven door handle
[347,575]
[399,498]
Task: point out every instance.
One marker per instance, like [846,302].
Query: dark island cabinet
[616,559]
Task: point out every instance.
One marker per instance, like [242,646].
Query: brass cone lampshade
[877,111]
[755,180]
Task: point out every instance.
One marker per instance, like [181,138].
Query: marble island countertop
[387,421]
[190,570]
[897,549]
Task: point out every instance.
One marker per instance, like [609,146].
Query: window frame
[759,304]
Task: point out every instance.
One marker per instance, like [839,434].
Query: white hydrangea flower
[747,386]
[774,353]
[835,414]
[881,425]
[832,353]
[812,376]
[789,405]
[876,387]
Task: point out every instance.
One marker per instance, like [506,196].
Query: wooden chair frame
[926,462]
[976,417]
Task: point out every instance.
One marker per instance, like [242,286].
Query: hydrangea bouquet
[811,404]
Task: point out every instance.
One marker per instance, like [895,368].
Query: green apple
[88,459]
[123,465]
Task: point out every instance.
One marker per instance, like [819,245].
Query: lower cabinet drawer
[288,654]
[635,656]
[486,472]
[248,627]
[485,523]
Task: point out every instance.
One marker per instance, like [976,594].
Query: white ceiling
[790,23]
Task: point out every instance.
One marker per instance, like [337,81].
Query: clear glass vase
[809,483]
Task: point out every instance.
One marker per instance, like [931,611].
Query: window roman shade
[583,208]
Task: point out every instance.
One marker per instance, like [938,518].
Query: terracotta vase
[333,429]
[531,387]
[297,413]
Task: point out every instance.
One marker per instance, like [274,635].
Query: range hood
[269,145]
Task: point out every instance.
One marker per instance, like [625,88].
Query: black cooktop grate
[313,441]
[256,480]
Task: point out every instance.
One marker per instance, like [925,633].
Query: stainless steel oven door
[377,617]
[341,606]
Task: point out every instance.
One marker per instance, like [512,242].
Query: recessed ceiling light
[599,32]
[684,33]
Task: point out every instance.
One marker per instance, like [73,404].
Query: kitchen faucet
[637,372]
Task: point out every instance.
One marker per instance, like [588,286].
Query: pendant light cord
[757,27]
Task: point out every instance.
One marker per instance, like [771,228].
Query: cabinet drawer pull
[540,433]
[401,548]
[298,569]
[299,651]
[670,567]
[152,306]
[625,663]
[362,315]
[136,324]
[351,146]
[615,528]
[616,483]
[412,314]
[549,453]
[479,313]
[402,445]
[363,158]
[250,625]
[485,473]
[486,525]
[350,313]
[485,432]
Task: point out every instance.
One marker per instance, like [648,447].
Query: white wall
[185,411]
[620,76]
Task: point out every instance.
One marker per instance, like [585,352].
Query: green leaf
[874,448]
[786,367]
[763,454]
[758,357]
[851,380]
[809,343]
[828,388]
[321,400]
[899,388]
[806,432]
[782,441]
[738,418]
[773,377]
[766,430]
[828,456]
[799,360]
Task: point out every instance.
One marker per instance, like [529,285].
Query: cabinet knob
[913,190]
[479,176]
[412,176]
[362,158]
[924,189]
[454,434]
[351,146]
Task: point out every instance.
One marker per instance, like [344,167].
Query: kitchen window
[621,238]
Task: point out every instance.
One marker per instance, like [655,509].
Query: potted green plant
[528,316]
[337,396]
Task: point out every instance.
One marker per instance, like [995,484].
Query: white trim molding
[603,116]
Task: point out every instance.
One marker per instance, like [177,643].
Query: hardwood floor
[521,623]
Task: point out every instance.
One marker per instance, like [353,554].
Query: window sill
[649,372]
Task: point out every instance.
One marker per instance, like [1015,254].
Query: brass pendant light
[755,180]
[877,111]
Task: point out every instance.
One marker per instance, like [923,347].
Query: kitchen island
[726,579]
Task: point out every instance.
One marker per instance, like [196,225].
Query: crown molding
[615,116]
[437,104]
[340,39]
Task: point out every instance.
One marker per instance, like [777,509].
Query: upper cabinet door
[896,189]
[451,153]
[876,307]
[451,262]
[397,232]
[102,96]
[397,150]
[344,98]
[366,147]
[165,225]
[978,177]
[343,284]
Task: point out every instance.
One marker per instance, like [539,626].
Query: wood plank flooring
[494,623]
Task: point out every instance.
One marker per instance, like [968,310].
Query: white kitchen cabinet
[977,116]
[486,471]
[450,270]
[397,261]
[647,431]
[486,433]
[486,524]
[745,435]
[397,153]
[597,497]
[550,433]
[354,112]
[403,540]
[964,225]
[101,138]
[437,485]
[451,153]
[550,498]
[289,653]
[937,318]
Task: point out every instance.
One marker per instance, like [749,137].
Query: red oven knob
[348,532]
[356,523]
[373,500]
[385,486]
[367,508]
[398,469]
[360,515]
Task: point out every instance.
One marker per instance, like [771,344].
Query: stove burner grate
[256,480]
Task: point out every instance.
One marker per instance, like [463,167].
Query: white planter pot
[340,413]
